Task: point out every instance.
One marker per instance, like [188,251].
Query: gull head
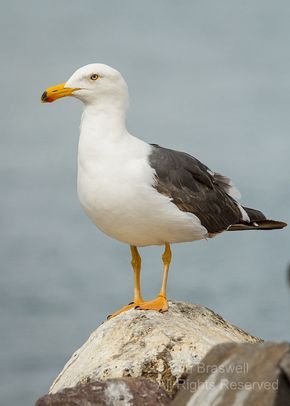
[94,84]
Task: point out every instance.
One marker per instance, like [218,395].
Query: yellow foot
[124,309]
[159,304]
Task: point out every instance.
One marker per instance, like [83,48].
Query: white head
[95,85]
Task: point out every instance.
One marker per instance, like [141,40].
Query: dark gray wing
[194,188]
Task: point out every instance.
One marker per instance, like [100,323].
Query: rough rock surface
[239,374]
[163,347]
[117,392]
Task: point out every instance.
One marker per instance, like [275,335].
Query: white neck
[104,121]
[101,126]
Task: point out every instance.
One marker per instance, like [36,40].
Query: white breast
[115,188]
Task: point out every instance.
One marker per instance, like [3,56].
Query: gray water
[211,78]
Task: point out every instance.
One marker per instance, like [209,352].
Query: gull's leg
[160,303]
[136,265]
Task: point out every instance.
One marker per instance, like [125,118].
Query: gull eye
[94,76]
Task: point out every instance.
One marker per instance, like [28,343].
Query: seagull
[143,194]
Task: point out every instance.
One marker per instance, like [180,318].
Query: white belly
[118,196]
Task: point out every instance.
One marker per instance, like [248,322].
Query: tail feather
[258,221]
[258,225]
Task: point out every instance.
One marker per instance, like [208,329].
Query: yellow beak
[56,92]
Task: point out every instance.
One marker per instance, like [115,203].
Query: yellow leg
[166,258]
[138,299]
[136,265]
[160,303]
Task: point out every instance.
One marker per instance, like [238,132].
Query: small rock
[113,392]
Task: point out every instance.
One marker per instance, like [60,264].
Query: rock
[119,392]
[239,374]
[160,346]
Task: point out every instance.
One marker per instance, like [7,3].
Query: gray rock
[241,375]
[163,347]
[112,392]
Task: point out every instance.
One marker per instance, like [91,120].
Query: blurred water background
[211,78]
